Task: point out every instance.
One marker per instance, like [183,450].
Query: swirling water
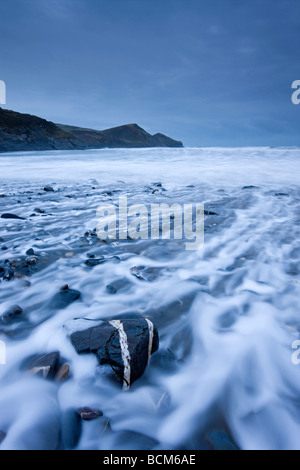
[227,314]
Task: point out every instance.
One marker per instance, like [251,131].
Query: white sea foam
[228,313]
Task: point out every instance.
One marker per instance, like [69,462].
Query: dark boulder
[125,345]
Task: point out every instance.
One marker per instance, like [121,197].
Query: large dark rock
[127,354]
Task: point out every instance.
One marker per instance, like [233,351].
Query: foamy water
[227,315]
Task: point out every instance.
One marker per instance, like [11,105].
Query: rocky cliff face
[24,132]
[128,136]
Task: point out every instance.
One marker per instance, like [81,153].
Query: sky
[206,72]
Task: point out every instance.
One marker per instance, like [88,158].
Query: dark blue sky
[207,72]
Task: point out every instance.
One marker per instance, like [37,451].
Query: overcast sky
[207,72]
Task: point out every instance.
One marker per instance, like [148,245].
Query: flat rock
[64,298]
[11,216]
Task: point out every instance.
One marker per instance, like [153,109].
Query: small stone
[65,287]
[11,313]
[4,248]
[135,271]
[31,260]
[87,414]
[30,252]
[48,188]
[94,262]
[39,211]
[111,289]
[209,213]
[62,373]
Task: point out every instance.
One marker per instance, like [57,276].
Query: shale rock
[125,345]
[44,365]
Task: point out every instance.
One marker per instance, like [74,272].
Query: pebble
[88,414]
[48,188]
[32,260]
[62,373]
[111,289]
[13,311]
